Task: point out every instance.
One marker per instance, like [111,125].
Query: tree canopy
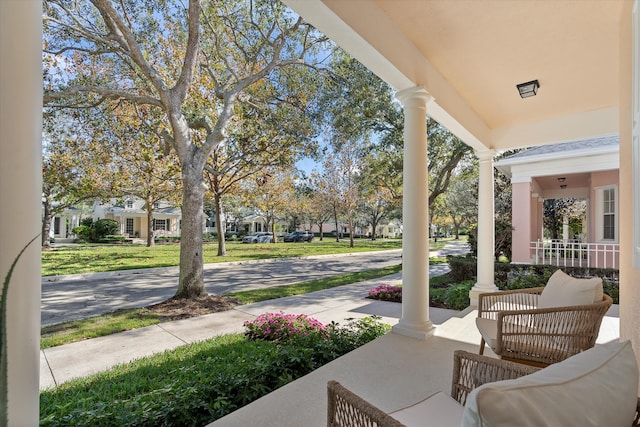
[197,63]
[358,106]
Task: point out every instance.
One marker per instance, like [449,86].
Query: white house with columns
[132,216]
[457,61]
[63,223]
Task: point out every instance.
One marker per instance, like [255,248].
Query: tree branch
[104,93]
[120,32]
[191,55]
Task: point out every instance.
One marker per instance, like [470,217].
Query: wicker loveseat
[598,387]
[545,325]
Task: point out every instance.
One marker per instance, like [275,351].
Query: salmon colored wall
[600,179]
[521,217]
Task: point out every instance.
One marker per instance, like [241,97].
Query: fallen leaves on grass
[182,308]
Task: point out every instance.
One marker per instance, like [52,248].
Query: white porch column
[21,200]
[415,213]
[486,228]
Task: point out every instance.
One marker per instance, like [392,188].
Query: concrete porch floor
[391,372]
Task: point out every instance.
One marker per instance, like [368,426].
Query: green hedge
[520,276]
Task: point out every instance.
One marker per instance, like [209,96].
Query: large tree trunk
[46,224]
[320,229]
[351,242]
[273,231]
[456,229]
[222,246]
[374,225]
[150,240]
[191,273]
[335,218]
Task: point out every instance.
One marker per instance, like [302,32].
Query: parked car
[266,238]
[259,237]
[299,236]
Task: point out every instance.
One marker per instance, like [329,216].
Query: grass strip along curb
[124,320]
[257,295]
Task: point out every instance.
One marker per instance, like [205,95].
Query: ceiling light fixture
[528,89]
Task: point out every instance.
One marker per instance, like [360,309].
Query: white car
[259,237]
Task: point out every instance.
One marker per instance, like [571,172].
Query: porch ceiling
[470,55]
[572,182]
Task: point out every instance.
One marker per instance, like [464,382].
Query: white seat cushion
[563,290]
[598,387]
[437,410]
[488,328]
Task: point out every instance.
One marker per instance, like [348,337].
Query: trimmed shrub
[83,232]
[105,227]
[456,297]
[115,239]
[462,268]
[90,231]
[521,276]
[281,326]
[386,293]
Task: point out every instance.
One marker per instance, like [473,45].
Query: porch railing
[571,253]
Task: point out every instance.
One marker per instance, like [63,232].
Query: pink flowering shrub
[386,293]
[282,327]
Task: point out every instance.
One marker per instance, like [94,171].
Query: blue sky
[307,165]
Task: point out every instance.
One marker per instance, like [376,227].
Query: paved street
[73,297]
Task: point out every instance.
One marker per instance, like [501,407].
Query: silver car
[259,237]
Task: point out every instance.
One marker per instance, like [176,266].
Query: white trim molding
[635,132]
[606,204]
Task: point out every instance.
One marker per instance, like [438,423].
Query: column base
[480,289]
[416,331]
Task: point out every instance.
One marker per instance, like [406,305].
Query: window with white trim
[606,216]
[609,214]
[159,224]
[129,226]
[129,204]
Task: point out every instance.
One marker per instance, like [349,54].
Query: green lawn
[96,258]
[98,326]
